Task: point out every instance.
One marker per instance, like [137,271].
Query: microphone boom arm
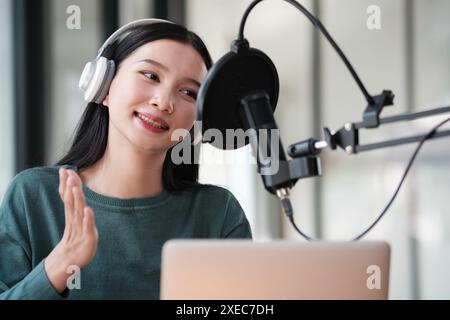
[347,138]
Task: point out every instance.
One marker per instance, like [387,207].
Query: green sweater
[131,235]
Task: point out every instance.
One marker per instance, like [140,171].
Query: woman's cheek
[189,115]
[137,91]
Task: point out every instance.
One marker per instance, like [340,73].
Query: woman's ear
[106,101]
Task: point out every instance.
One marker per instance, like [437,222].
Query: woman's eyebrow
[156,63]
[160,65]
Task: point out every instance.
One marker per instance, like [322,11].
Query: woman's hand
[79,242]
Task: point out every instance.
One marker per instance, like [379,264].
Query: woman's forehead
[170,54]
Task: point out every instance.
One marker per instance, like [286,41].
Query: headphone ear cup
[108,75]
[96,78]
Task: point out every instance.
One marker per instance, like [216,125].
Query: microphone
[258,119]
[240,93]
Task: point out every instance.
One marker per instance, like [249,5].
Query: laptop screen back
[246,270]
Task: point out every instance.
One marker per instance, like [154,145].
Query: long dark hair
[91,134]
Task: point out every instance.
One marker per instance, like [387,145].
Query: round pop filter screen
[227,82]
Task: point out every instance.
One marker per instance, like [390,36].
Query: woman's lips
[148,116]
[150,124]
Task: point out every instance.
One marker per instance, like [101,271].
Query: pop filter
[237,73]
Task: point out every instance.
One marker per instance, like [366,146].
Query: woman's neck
[125,173]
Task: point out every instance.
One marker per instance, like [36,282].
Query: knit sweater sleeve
[18,278]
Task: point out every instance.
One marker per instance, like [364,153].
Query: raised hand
[79,242]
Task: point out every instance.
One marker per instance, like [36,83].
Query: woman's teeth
[150,121]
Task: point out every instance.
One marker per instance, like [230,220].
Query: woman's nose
[163,102]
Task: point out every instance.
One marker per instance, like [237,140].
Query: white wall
[433,172]
[356,188]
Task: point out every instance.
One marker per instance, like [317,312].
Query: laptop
[277,270]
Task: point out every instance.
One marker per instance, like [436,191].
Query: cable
[244,18]
[411,161]
[408,167]
[291,219]
[316,22]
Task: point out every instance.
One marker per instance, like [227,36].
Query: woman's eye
[151,76]
[189,93]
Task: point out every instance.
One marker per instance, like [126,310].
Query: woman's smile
[151,123]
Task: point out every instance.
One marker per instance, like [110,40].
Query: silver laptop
[246,270]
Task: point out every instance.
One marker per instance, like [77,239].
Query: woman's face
[153,93]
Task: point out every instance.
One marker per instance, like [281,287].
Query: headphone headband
[131,25]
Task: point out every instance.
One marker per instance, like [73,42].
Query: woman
[122,197]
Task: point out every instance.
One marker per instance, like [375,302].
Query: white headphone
[98,74]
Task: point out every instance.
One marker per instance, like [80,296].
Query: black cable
[244,18]
[291,219]
[408,167]
[289,212]
[316,22]
[411,161]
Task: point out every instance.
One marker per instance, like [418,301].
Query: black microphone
[240,92]
[258,119]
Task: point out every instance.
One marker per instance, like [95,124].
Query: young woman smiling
[108,206]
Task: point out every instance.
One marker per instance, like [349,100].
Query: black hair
[91,134]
